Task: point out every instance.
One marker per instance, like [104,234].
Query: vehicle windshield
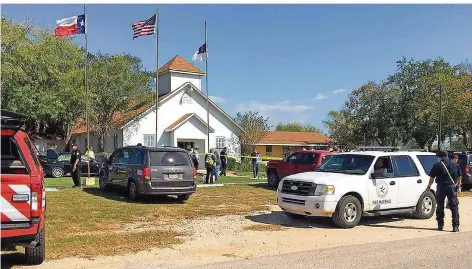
[347,164]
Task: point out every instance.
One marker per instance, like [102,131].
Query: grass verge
[88,222]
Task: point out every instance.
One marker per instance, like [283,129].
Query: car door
[122,167]
[64,160]
[307,163]
[291,165]
[383,191]
[113,167]
[411,183]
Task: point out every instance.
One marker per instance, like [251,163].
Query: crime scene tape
[267,158]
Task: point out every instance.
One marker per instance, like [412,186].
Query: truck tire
[272,178]
[294,216]
[36,255]
[133,193]
[425,206]
[348,212]
[182,198]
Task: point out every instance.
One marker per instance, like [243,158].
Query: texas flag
[70,26]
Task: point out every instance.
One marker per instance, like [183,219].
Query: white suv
[350,185]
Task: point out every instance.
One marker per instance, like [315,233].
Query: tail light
[36,195]
[194,173]
[467,169]
[147,173]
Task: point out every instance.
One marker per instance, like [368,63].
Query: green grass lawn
[262,174]
[66,182]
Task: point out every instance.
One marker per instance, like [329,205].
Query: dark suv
[150,171]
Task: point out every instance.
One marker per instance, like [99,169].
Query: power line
[456,10]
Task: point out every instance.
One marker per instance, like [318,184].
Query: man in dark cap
[446,174]
[75,163]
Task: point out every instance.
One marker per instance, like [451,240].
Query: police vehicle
[349,186]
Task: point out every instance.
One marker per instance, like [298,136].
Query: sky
[289,62]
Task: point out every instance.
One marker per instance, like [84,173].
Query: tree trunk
[465,140]
[68,131]
[101,142]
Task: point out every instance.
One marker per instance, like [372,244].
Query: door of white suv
[411,183]
[383,188]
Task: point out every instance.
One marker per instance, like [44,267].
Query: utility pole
[440,118]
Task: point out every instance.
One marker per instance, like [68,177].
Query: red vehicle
[23,194]
[299,162]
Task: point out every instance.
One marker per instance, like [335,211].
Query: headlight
[323,190]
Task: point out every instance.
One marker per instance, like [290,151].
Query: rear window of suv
[427,161]
[169,158]
[11,159]
[462,159]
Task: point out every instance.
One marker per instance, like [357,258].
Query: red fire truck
[23,194]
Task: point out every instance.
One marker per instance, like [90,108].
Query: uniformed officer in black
[75,163]
[446,174]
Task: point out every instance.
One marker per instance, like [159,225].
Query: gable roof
[293,138]
[176,124]
[180,64]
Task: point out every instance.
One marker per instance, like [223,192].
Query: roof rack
[12,120]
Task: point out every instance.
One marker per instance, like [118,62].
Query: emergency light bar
[12,120]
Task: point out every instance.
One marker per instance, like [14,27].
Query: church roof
[180,64]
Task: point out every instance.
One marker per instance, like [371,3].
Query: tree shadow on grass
[119,195]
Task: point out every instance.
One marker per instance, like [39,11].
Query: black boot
[440,227]
[455,229]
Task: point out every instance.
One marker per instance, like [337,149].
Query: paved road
[456,253]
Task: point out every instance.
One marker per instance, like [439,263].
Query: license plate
[173,176]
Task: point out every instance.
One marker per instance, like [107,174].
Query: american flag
[144,28]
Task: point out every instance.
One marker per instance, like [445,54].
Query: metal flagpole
[440,117]
[86,92]
[157,73]
[206,82]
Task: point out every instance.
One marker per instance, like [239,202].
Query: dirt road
[225,239]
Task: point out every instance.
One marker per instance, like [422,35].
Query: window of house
[220,142]
[149,140]
[269,149]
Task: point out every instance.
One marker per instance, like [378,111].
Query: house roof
[293,138]
[183,119]
[119,119]
[180,64]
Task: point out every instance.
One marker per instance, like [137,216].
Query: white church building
[182,118]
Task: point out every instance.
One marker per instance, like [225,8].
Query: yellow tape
[248,157]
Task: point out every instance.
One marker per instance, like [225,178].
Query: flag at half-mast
[70,26]
[144,28]
[200,54]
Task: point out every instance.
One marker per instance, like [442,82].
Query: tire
[36,255]
[183,198]
[272,178]
[426,206]
[294,216]
[348,212]
[102,182]
[133,193]
[57,172]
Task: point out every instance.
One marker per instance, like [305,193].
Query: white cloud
[338,91]
[218,99]
[320,97]
[283,106]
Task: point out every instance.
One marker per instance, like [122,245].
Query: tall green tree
[115,82]
[255,127]
[296,127]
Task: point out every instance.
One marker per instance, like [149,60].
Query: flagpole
[206,85]
[157,73]
[86,92]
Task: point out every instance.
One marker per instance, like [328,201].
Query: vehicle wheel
[183,198]
[272,178]
[36,255]
[294,216]
[348,212]
[133,194]
[102,182]
[57,172]
[426,205]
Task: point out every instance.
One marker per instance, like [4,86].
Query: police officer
[446,174]
[75,163]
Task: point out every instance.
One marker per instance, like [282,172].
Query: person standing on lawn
[446,174]
[255,163]
[195,157]
[75,163]
[217,164]
[210,162]
[89,153]
[224,161]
